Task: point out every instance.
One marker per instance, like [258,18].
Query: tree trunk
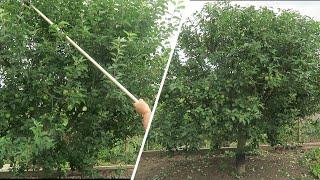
[240,153]
[126,145]
[299,131]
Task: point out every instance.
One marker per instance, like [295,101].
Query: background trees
[243,75]
[56,109]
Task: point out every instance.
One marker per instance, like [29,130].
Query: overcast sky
[309,8]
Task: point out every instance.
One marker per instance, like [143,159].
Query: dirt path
[270,165]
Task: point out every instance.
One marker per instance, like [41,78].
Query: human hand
[144,110]
[142,107]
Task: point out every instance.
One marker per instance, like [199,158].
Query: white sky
[309,8]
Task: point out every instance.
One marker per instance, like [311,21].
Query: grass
[312,161]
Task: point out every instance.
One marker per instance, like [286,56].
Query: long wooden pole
[88,57]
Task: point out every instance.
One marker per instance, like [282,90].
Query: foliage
[306,130]
[310,131]
[239,74]
[124,152]
[312,159]
[56,108]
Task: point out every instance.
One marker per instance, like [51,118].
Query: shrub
[313,161]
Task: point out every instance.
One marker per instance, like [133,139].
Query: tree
[240,73]
[56,108]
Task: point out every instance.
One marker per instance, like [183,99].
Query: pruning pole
[123,89]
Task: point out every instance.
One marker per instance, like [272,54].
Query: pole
[123,89]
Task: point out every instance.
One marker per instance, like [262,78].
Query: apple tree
[239,74]
[56,109]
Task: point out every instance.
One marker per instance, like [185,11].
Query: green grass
[312,160]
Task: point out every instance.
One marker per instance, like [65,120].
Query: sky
[309,8]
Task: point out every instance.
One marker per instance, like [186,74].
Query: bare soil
[276,165]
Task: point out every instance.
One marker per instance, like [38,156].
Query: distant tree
[246,73]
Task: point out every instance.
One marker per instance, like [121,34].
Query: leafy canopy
[56,108]
[239,74]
